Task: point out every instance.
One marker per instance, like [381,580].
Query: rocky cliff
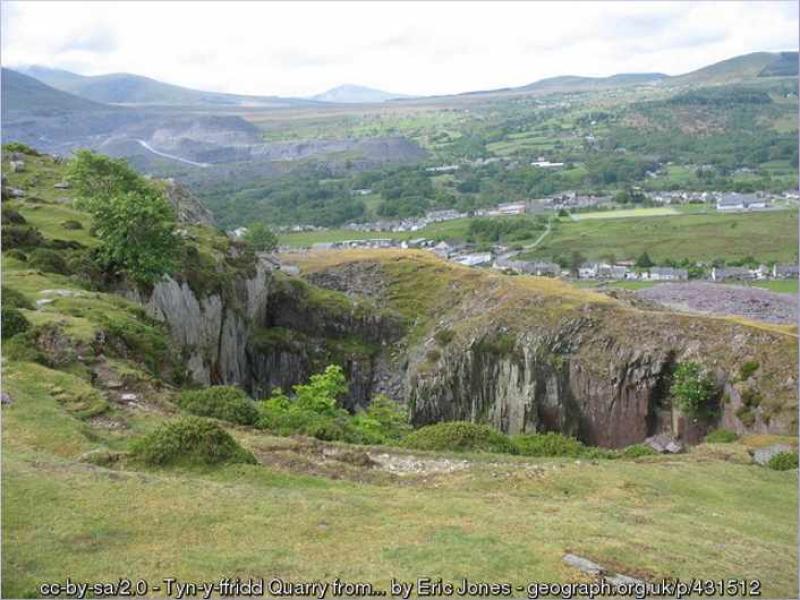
[268,330]
[528,354]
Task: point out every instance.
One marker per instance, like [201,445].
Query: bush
[21,148]
[189,441]
[444,336]
[747,369]
[225,402]
[460,436]
[313,411]
[12,217]
[692,389]
[384,421]
[783,461]
[21,236]
[12,298]
[17,254]
[638,450]
[721,436]
[48,261]
[12,322]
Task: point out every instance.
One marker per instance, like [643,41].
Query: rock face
[188,209]
[542,385]
[264,333]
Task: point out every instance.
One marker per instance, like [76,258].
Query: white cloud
[301,48]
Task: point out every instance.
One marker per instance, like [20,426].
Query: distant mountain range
[128,89]
[124,88]
[355,94]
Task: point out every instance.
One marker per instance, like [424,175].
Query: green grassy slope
[768,236]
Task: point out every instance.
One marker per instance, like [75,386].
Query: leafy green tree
[96,177]
[261,237]
[644,261]
[692,388]
[132,219]
[322,390]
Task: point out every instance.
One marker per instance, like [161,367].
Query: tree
[137,234]
[692,389]
[261,238]
[132,219]
[96,177]
[575,262]
[644,261]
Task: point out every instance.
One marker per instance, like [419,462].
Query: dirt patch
[719,299]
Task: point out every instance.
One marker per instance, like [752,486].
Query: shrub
[747,369]
[384,421]
[692,389]
[72,224]
[17,254]
[313,411]
[225,402]
[433,355]
[189,441]
[783,461]
[12,322]
[12,217]
[721,436]
[21,236]
[444,336]
[548,444]
[459,436]
[637,450]
[21,148]
[48,261]
[12,298]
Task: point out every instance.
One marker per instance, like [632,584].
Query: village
[570,202]
[503,259]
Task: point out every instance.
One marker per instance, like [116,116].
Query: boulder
[664,444]
[763,455]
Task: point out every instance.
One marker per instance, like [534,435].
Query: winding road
[147,146]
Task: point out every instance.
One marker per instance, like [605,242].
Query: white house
[473,260]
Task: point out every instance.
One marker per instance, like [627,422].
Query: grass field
[782,286]
[656,211]
[500,519]
[766,236]
[456,228]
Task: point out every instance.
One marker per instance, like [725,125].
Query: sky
[419,48]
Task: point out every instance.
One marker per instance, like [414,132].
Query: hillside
[741,68]
[23,93]
[105,475]
[125,88]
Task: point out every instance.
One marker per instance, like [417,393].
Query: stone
[16,193]
[17,166]
[129,397]
[664,444]
[5,399]
[62,185]
[583,564]
[763,455]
